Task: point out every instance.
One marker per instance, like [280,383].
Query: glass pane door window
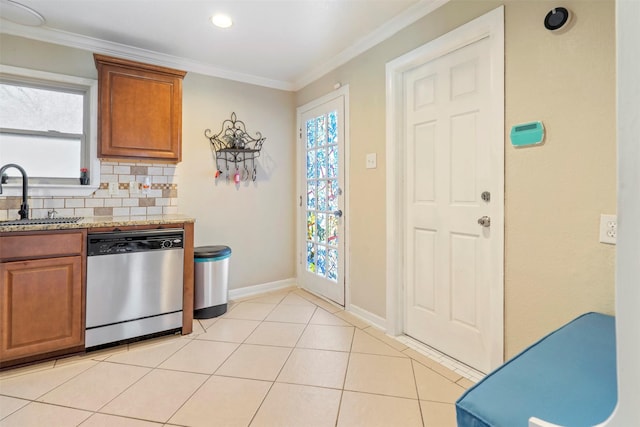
[322,210]
[321,233]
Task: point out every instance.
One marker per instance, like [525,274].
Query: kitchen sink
[42,221]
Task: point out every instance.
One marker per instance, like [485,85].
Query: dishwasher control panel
[119,242]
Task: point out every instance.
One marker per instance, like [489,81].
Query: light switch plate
[372,161]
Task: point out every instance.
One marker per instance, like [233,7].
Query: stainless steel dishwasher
[134,284]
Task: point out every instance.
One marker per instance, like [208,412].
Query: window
[47,121]
[47,126]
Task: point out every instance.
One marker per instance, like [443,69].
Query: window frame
[44,187]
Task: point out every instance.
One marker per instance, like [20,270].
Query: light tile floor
[285,358]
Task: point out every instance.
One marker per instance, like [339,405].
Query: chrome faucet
[24,208]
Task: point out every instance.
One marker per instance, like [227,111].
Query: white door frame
[490,25]
[343,91]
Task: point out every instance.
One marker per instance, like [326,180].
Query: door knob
[338,213]
[484,221]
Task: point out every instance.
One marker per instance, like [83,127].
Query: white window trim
[46,190]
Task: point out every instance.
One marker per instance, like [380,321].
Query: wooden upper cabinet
[139,110]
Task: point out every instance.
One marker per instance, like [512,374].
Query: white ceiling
[282,44]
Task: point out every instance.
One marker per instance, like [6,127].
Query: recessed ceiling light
[221,21]
[20,14]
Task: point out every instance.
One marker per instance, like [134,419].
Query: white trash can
[211,277]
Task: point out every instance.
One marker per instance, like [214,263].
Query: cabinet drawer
[39,245]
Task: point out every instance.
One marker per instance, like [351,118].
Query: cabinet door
[41,308]
[140,110]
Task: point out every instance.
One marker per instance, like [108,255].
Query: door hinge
[300,133]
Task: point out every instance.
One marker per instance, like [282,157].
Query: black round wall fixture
[556,18]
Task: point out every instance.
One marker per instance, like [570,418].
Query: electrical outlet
[113,188]
[134,187]
[608,229]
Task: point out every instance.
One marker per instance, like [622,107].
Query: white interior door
[321,241]
[453,195]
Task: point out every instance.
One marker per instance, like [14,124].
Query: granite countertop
[102,221]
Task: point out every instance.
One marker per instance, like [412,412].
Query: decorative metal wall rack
[234,145]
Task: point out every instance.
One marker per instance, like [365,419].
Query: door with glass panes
[322,200]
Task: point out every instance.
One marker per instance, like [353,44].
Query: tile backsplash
[160,198]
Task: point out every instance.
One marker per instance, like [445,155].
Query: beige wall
[554,266]
[254,219]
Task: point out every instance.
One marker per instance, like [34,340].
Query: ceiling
[282,44]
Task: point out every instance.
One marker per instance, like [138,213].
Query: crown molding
[390,28]
[64,38]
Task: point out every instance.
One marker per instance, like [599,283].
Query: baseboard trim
[374,319]
[248,291]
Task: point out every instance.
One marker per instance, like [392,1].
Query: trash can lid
[211,251]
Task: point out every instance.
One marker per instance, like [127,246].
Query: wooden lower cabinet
[41,309]
[42,303]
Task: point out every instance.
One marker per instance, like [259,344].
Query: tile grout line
[64,382]
[53,404]
[158,368]
[350,352]
[126,388]
[113,415]
[442,359]
[209,376]
[344,380]
[273,383]
[316,308]
[264,320]
[197,388]
[35,400]
[415,384]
